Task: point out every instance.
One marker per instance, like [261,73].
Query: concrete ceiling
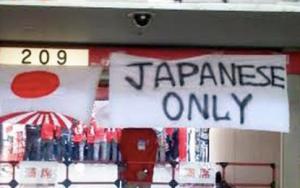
[87,25]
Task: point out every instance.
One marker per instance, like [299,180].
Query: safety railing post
[273,183]
[272,165]
[173,183]
[67,182]
[13,183]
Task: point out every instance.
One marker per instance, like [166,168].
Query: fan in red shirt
[78,140]
[90,139]
[113,138]
[47,135]
[138,148]
[100,144]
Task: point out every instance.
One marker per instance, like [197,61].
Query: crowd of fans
[80,142]
[88,142]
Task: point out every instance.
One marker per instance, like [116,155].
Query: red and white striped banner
[38,118]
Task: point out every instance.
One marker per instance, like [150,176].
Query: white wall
[246,146]
[253,146]
[291,141]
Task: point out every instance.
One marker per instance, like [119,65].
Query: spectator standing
[64,144]
[100,144]
[90,139]
[47,136]
[118,138]
[32,142]
[169,143]
[113,137]
[172,142]
[78,140]
[175,144]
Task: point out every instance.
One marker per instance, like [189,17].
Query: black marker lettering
[242,105]
[180,106]
[274,70]
[225,73]
[167,77]
[259,70]
[203,110]
[215,111]
[243,75]
[184,74]
[138,85]
[207,73]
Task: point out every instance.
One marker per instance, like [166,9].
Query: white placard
[44,56]
[32,173]
[6,173]
[236,91]
[201,173]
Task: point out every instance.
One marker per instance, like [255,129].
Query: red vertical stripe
[182,144]
[294,63]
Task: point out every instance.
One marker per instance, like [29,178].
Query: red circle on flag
[35,84]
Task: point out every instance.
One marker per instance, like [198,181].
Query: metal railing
[67,181]
[272,166]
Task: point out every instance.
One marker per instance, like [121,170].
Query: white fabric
[74,96]
[266,109]
[102,113]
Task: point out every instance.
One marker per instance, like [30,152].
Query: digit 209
[44,57]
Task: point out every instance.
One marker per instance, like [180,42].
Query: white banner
[235,91]
[101,113]
[63,89]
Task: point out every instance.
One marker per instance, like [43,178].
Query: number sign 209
[44,57]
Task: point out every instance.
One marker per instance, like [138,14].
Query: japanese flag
[67,90]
